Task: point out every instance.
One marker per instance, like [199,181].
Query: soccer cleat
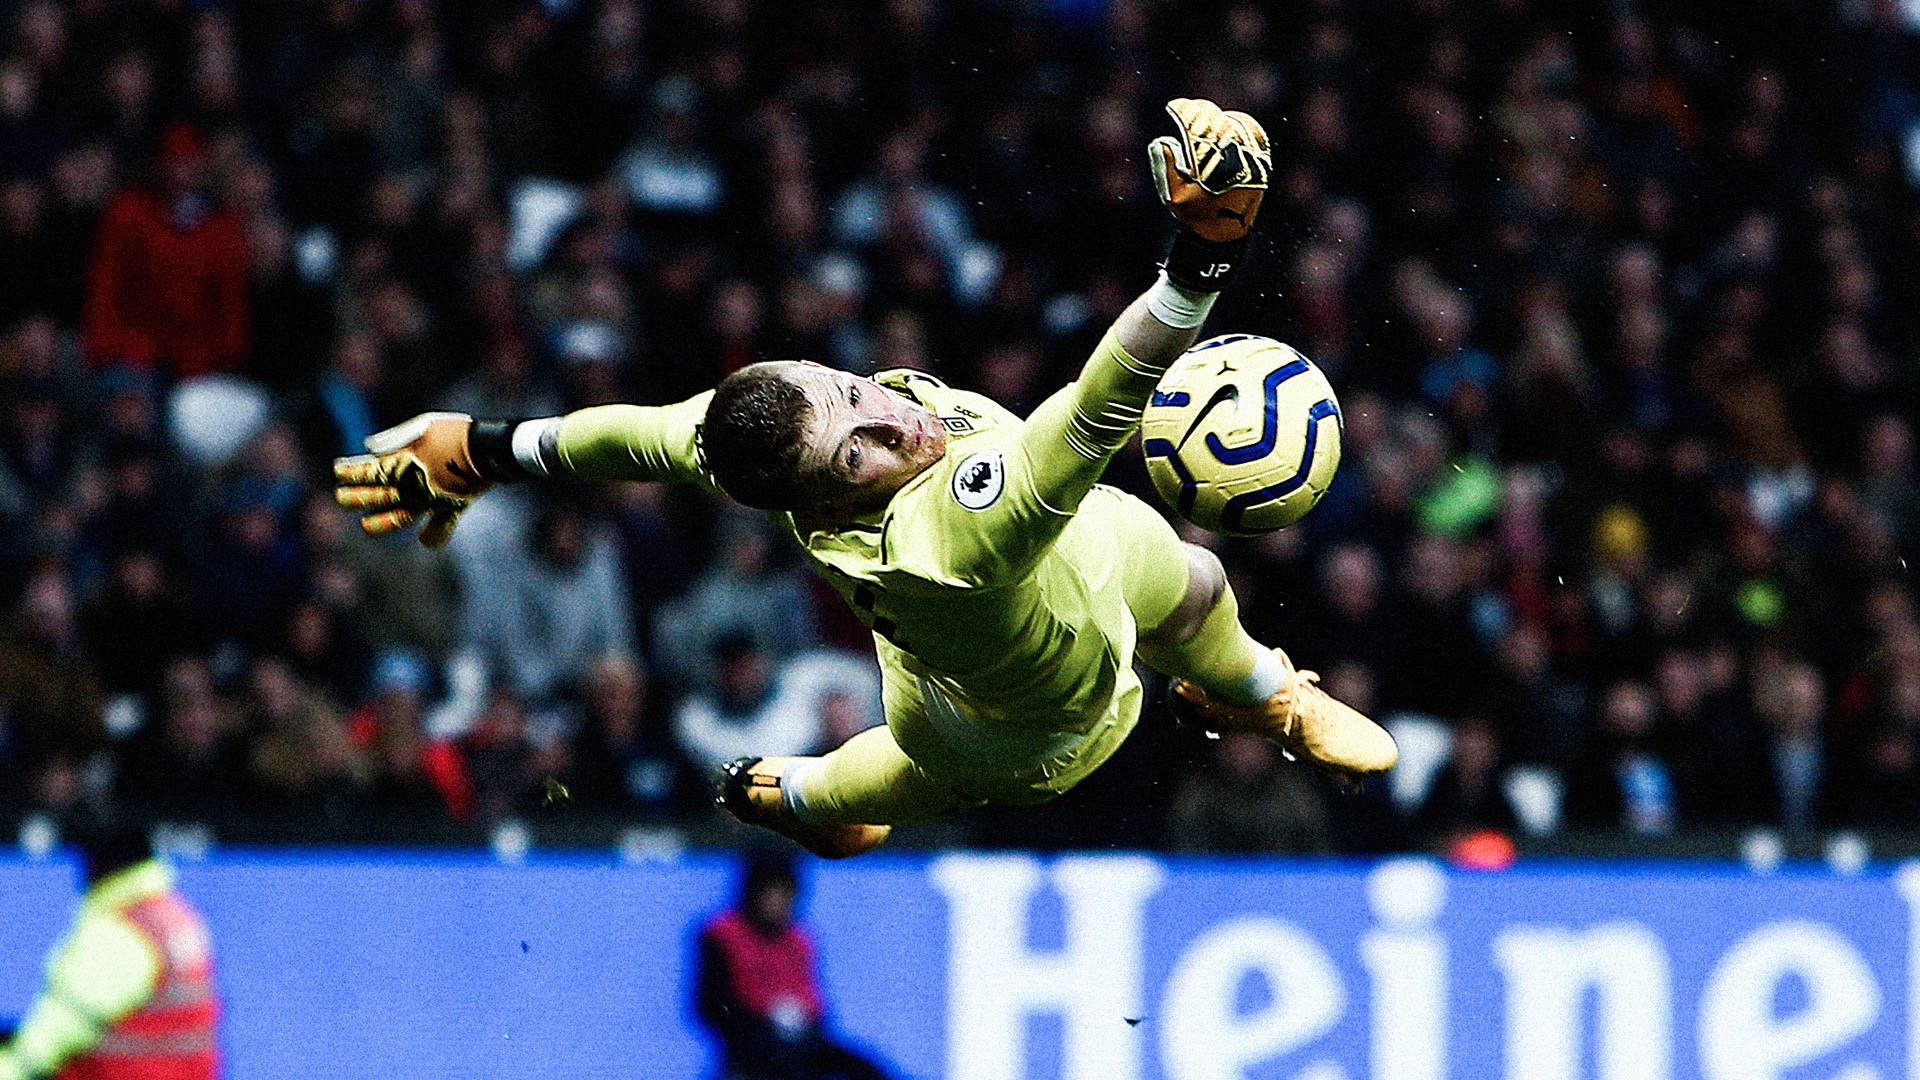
[749,789]
[1306,721]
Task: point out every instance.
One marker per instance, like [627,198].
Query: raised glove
[1214,175]
[1212,179]
[421,468]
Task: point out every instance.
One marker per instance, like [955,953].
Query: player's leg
[1193,634]
[1188,616]
[841,803]
[869,779]
[846,801]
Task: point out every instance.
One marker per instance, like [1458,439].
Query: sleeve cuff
[531,442]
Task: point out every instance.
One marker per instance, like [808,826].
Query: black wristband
[490,444]
[1194,262]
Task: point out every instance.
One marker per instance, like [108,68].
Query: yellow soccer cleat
[1305,720]
[750,791]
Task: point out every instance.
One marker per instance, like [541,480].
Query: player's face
[863,442]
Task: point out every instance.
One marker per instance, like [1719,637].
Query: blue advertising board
[994,966]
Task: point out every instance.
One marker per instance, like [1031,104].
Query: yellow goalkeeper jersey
[986,588]
[992,576]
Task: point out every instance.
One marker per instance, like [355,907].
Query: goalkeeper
[1008,591]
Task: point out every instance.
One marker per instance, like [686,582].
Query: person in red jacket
[167,283]
[758,991]
[129,993]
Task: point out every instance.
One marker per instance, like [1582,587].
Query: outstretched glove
[421,468]
[1214,175]
[1212,179]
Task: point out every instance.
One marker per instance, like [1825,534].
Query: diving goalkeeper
[1008,591]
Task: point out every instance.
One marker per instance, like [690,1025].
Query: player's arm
[626,442]
[1212,179]
[102,972]
[433,466]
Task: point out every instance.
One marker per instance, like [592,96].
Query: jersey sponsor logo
[979,479]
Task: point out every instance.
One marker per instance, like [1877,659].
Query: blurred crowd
[1623,305]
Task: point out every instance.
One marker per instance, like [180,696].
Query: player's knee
[1206,578]
[1206,585]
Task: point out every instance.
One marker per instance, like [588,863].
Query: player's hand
[418,469]
[1214,175]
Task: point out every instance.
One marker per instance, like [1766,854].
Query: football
[1242,436]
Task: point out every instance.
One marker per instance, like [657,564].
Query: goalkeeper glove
[1212,179]
[425,467]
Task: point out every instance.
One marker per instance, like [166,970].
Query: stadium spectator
[37,444]
[749,590]
[1622,778]
[189,762]
[389,598]
[1536,712]
[1791,703]
[1467,797]
[48,682]
[505,383]
[302,761]
[1245,799]
[1719,753]
[25,243]
[657,551]
[541,617]
[669,171]
[324,648]
[408,773]
[1433,662]
[753,701]
[167,287]
[139,621]
[291,316]
[502,760]
[250,569]
[621,760]
[757,989]
[137,513]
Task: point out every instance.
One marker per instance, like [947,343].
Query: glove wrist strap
[490,444]
[1194,262]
